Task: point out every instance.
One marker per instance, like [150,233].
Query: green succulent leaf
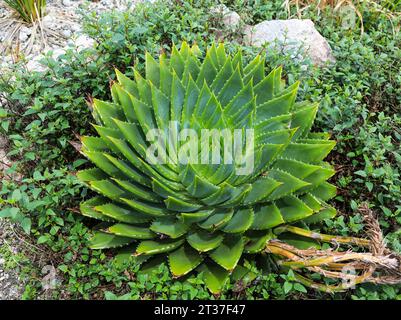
[184,260]
[126,230]
[215,276]
[169,226]
[102,240]
[205,241]
[155,247]
[229,252]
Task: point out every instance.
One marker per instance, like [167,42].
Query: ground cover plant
[41,115]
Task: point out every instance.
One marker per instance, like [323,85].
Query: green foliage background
[360,99]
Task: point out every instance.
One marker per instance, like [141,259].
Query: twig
[379,265]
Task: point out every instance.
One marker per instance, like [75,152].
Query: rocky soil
[10,285]
[61,27]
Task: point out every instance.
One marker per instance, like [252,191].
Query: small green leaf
[43,239]
[26,225]
[299,287]
[16,195]
[287,287]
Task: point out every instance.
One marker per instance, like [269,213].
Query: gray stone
[231,19]
[24,33]
[83,42]
[48,19]
[5,163]
[35,65]
[67,33]
[293,35]
[57,52]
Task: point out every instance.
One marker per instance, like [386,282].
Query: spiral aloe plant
[204,217]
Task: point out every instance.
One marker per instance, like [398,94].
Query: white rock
[230,18]
[34,64]
[57,52]
[48,19]
[83,42]
[66,33]
[2,261]
[4,161]
[75,27]
[293,35]
[24,33]
[67,3]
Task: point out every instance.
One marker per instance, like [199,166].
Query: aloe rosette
[204,217]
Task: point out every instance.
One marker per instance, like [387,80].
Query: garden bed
[43,114]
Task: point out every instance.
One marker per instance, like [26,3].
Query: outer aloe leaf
[299,241]
[181,205]
[184,260]
[240,222]
[155,247]
[143,207]
[91,174]
[102,240]
[289,184]
[107,111]
[229,252]
[309,151]
[88,209]
[204,241]
[199,216]
[215,277]
[137,191]
[267,217]
[126,103]
[324,191]
[261,188]
[128,170]
[169,226]
[217,220]
[152,69]
[256,241]
[108,189]
[103,163]
[119,213]
[293,209]
[127,83]
[276,107]
[326,213]
[130,231]
[94,144]
[264,89]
